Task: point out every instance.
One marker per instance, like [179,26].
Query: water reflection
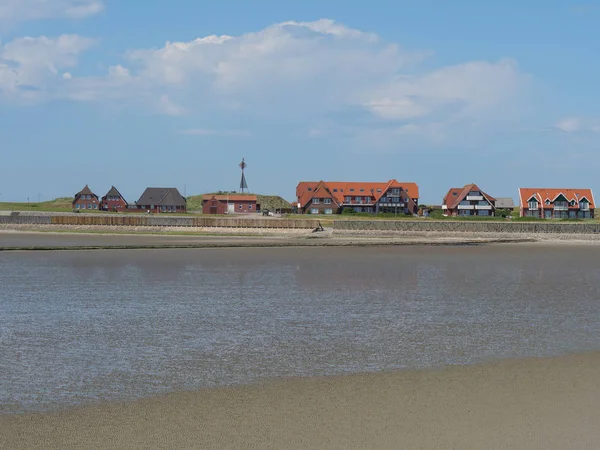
[80,326]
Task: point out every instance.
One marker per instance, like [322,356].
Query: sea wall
[466,226]
[153,221]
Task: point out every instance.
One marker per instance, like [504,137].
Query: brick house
[162,200]
[229,204]
[321,197]
[554,203]
[85,199]
[113,201]
[468,201]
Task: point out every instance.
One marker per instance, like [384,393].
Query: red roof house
[229,204]
[557,203]
[468,200]
[327,197]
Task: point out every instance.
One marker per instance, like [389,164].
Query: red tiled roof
[341,189]
[457,195]
[541,194]
[231,198]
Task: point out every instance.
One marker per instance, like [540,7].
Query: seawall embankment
[432,226]
[154,221]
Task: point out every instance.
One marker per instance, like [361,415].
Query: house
[554,203]
[161,200]
[320,197]
[468,200]
[229,204]
[505,203]
[113,201]
[85,199]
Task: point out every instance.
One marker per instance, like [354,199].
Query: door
[230,208]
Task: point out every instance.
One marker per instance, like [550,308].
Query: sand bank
[549,403]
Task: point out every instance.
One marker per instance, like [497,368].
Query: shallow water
[101,325]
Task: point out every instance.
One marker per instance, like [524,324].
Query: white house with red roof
[557,203]
[327,197]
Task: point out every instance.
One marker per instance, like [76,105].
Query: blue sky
[175,93]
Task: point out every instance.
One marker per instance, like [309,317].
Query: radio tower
[243,184]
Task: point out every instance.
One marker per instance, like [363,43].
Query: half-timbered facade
[468,200]
[324,197]
[554,203]
[85,200]
[113,201]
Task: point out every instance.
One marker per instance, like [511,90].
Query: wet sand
[52,240]
[551,403]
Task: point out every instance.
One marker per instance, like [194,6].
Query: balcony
[466,206]
[484,207]
[475,198]
[561,208]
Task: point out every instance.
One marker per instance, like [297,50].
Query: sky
[175,93]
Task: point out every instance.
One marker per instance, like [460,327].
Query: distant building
[554,203]
[229,204]
[505,203]
[85,199]
[162,200]
[468,201]
[325,197]
[113,201]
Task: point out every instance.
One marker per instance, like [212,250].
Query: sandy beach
[550,403]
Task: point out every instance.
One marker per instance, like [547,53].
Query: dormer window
[547,202]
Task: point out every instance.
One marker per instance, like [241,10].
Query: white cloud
[23,10]
[34,64]
[578,124]
[300,72]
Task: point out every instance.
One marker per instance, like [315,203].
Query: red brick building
[325,197]
[229,204]
[113,201]
[85,199]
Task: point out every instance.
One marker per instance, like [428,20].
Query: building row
[163,200]
[154,200]
[321,197]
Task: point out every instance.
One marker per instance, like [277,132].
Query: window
[483,212]
[77,206]
[309,189]
[314,211]
[327,201]
[240,206]
[362,190]
[316,201]
[335,190]
[547,202]
[329,211]
[532,204]
[358,199]
[351,189]
[249,207]
[584,205]
[396,200]
[395,191]
[379,190]
[89,206]
[95,206]
[348,199]
[163,208]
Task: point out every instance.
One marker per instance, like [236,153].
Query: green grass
[62,204]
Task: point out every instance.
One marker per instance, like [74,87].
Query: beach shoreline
[531,403]
[32,238]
